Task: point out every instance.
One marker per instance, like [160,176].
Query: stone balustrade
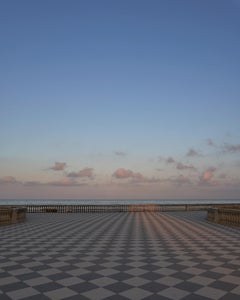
[102,208]
[12,215]
[224,216]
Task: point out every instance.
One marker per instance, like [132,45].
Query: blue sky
[135,99]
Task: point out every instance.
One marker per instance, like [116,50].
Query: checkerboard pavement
[141,255]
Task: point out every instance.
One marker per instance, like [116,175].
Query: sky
[125,99]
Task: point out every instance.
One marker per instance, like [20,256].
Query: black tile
[150,267]
[230,296]
[27,276]
[211,274]
[37,297]
[123,268]
[221,285]
[95,268]
[118,287]
[153,287]
[195,297]
[12,268]
[66,268]
[178,267]
[4,274]
[182,275]
[156,297]
[120,276]
[83,287]
[13,287]
[188,286]
[4,297]
[204,266]
[48,287]
[116,297]
[58,276]
[90,276]
[236,273]
[151,276]
[40,268]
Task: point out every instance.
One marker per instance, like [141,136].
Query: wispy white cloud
[58,166]
[211,143]
[84,173]
[170,160]
[120,153]
[181,166]
[231,148]
[65,182]
[191,153]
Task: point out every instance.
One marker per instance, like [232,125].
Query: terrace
[116,255]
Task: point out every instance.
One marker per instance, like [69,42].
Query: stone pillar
[13,215]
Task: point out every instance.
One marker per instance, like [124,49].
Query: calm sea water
[112,201]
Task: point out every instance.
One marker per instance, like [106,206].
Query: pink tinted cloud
[8,180]
[207,176]
[122,173]
[59,166]
[84,173]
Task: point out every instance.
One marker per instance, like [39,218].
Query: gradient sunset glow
[120,99]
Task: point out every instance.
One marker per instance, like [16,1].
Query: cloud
[181,166]
[207,176]
[32,183]
[222,176]
[65,182]
[211,143]
[180,180]
[122,173]
[170,160]
[8,180]
[120,153]
[59,166]
[191,153]
[84,173]
[231,148]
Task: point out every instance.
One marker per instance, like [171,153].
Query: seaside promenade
[130,255]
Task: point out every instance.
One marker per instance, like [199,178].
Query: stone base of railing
[224,216]
[12,215]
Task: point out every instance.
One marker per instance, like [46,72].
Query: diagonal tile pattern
[143,255]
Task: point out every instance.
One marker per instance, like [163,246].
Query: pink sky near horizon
[198,175]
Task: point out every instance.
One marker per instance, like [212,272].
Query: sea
[115,201]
